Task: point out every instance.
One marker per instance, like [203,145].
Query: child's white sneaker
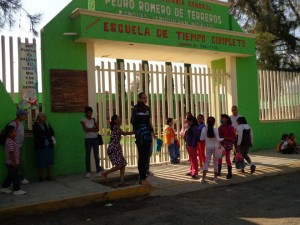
[19,192]
[6,190]
[87,175]
[24,181]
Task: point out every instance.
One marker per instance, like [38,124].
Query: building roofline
[77,12]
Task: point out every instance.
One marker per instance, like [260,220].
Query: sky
[49,8]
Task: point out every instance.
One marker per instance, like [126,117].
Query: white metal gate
[172,91]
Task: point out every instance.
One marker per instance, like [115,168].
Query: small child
[12,161]
[201,144]
[114,150]
[191,139]
[283,145]
[170,139]
[292,143]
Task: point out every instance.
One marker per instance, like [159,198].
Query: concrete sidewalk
[75,190]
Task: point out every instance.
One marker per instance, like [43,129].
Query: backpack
[143,134]
[246,140]
[4,135]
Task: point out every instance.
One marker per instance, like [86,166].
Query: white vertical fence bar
[123,100]
[104,115]
[110,101]
[210,95]
[288,95]
[196,92]
[191,91]
[12,71]
[205,78]
[146,77]
[293,75]
[3,50]
[297,85]
[187,105]
[100,107]
[278,95]
[177,107]
[164,100]
[284,94]
[181,71]
[275,92]
[272,116]
[117,89]
[265,102]
[153,112]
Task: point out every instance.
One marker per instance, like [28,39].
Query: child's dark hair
[210,127]
[141,94]
[225,116]
[291,134]
[169,120]
[8,130]
[201,115]
[88,109]
[242,120]
[284,136]
[112,121]
[193,120]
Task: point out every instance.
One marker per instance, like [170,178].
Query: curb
[43,207]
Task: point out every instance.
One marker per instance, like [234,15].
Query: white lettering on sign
[27,75]
[175,11]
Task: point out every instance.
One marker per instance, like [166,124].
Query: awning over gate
[112,32]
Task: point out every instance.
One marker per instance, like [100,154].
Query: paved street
[269,200]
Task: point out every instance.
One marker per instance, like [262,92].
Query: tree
[276,23]
[9,10]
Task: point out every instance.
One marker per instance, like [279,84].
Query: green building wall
[7,113]
[61,52]
[266,134]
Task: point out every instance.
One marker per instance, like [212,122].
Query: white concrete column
[91,76]
[231,83]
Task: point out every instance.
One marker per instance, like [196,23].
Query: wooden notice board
[69,90]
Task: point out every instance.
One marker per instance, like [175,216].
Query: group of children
[288,144]
[202,142]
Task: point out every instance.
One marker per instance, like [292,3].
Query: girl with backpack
[244,142]
[226,131]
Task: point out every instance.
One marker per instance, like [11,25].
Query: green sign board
[192,12]
[120,30]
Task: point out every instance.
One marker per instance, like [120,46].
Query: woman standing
[91,129]
[141,122]
[212,139]
[226,131]
[43,143]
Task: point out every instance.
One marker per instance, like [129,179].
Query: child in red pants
[226,131]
